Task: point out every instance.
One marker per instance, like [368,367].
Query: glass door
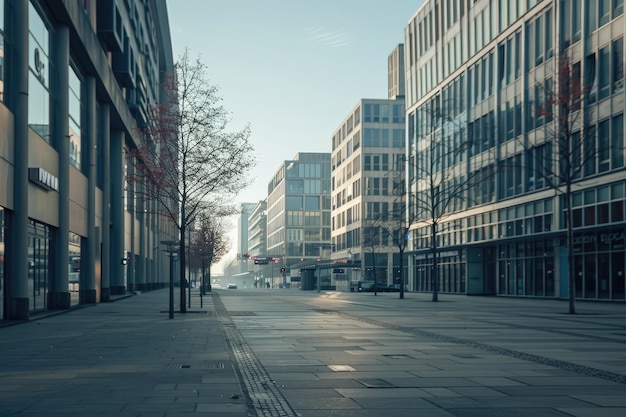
[38,274]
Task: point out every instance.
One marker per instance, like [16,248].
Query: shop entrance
[38,266]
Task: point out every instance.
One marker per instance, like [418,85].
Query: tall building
[75,85]
[298,214]
[245,209]
[368,152]
[485,78]
[257,241]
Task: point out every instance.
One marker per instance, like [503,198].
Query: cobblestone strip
[564,365]
[261,392]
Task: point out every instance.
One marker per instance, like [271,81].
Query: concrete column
[87,293]
[16,254]
[117,214]
[59,295]
[107,260]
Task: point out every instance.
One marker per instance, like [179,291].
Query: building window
[570,21]
[39,66]
[618,65]
[603,146]
[600,12]
[74,262]
[39,236]
[75,115]
[539,40]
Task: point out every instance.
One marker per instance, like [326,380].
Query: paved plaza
[284,353]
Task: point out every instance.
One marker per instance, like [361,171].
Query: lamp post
[171,250]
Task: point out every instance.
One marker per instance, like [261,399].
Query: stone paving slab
[124,358]
[445,362]
[289,353]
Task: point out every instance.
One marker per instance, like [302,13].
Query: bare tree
[569,147]
[370,238]
[188,157]
[209,245]
[394,223]
[439,175]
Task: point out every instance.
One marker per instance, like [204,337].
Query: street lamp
[171,250]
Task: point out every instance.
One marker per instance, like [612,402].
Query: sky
[290,69]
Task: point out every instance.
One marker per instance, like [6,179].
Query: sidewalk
[283,353]
[124,358]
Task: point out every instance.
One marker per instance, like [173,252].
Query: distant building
[298,213]
[257,241]
[242,241]
[368,152]
[488,66]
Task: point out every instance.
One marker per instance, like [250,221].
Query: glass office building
[72,230]
[298,215]
[484,78]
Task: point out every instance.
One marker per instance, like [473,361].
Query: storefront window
[2,246]
[74,267]
[39,76]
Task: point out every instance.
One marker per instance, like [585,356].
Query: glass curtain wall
[39,75]
[2,77]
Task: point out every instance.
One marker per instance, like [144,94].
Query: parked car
[364,286]
[378,287]
[232,286]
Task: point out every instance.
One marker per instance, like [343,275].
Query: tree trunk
[570,250]
[401,273]
[181,257]
[435,272]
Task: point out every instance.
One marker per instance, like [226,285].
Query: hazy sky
[292,69]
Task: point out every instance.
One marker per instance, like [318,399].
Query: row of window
[307,203]
[297,169]
[353,121]
[346,172]
[380,138]
[316,187]
[308,218]
[347,194]
[383,113]
[538,45]
[308,234]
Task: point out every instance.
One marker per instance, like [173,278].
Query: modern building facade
[368,153]
[483,78]
[245,209]
[298,214]
[76,81]
[257,241]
